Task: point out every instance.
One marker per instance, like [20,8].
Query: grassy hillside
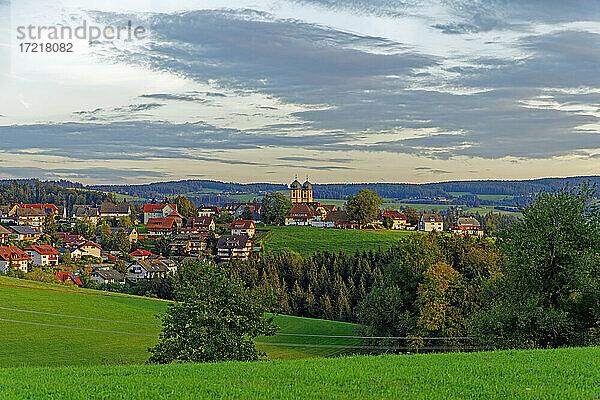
[306,240]
[49,340]
[542,374]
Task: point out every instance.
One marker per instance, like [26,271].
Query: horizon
[386,91]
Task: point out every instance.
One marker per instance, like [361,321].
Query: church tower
[296,192]
[307,192]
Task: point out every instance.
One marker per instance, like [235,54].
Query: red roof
[42,206]
[301,211]
[393,214]
[152,208]
[8,253]
[141,252]
[43,249]
[90,243]
[160,223]
[242,224]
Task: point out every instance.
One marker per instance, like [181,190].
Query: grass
[541,374]
[306,240]
[37,345]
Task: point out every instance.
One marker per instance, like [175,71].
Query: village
[110,242]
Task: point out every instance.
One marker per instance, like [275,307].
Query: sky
[337,90]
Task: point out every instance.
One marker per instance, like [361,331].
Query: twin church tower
[301,193]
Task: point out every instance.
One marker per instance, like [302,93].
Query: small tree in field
[214,319]
[364,207]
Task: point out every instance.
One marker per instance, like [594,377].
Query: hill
[306,240]
[52,325]
[539,374]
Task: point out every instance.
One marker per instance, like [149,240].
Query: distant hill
[342,190]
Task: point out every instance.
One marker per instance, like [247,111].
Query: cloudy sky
[340,90]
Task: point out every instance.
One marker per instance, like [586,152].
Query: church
[301,193]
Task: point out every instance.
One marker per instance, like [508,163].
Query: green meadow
[307,240]
[540,374]
[118,329]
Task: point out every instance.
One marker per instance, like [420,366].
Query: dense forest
[35,191]
[522,189]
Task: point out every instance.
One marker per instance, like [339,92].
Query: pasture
[72,326]
[307,240]
[539,374]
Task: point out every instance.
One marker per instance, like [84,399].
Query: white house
[431,222]
[11,257]
[108,275]
[42,254]
[243,227]
[158,211]
[149,268]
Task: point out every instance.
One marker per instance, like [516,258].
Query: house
[12,257]
[234,246]
[188,244]
[57,211]
[399,220]
[337,219]
[254,208]
[24,232]
[85,212]
[109,275]
[131,233]
[467,226]
[148,269]
[158,211]
[243,227]
[178,218]
[140,254]
[208,211]
[33,217]
[112,210]
[300,214]
[42,254]
[431,222]
[71,240]
[87,249]
[161,226]
[200,224]
[4,235]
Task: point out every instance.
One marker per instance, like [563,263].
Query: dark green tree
[549,296]
[275,207]
[214,318]
[364,207]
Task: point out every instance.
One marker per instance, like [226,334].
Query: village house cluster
[193,237]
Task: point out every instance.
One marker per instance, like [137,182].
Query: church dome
[295,185]
[307,185]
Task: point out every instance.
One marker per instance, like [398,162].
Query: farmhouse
[234,246]
[158,211]
[243,227]
[161,226]
[112,210]
[108,275]
[24,232]
[42,254]
[58,211]
[431,222]
[11,257]
[467,226]
[148,269]
[337,219]
[33,217]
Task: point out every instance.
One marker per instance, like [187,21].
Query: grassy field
[306,240]
[542,374]
[122,339]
